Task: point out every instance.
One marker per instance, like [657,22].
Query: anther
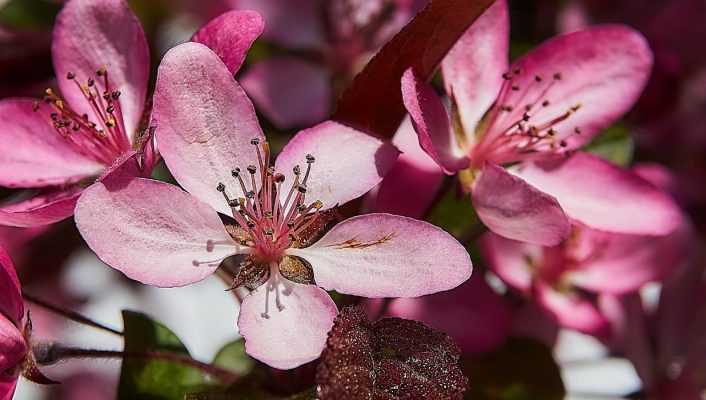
[557,76]
[90,82]
[551,132]
[115,95]
[310,159]
[537,78]
[545,103]
[577,130]
[252,169]
[317,204]
[102,71]
[297,170]
[221,187]
[254,141]
[507,76]
[250,194]
[279,178]
[70,76]
[232,203]
[235,172]
[525,117]
[563,143]
[515,88]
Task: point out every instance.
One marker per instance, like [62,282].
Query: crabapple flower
[58,145]
[532,116]
[13,346]
[274,214]
[332,40]
[566,280]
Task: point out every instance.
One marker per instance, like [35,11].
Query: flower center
[269,220]
[523,124]
[102,137]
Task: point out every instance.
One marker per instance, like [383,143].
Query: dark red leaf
[392,359]
[373,102]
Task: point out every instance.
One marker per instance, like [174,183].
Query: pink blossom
[211,141]
[332,40]
[567,280]
[58,146]
[532,116]
[13,346]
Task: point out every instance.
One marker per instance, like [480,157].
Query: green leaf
[232,357]
[615,144]
[145,379]
[454,212]
[29,13]
[524,369]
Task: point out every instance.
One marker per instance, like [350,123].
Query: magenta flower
[211,141]
[13,346]
[532,116]
[566,280]
[58,146]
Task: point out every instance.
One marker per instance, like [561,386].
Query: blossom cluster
[490,217]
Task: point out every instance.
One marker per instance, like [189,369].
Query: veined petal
[152,232]
[411,185]
[91,34]
[515,209]
[577,84]
[205,123]
[288,91]
[604,196]
[44,208]
[11,306]
[32,153]
[473,68]
[12,346]
[432,124]
[230,35]
[285,324]
[384,255]
[348,163]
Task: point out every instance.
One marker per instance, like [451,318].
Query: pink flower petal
[624,263]
[604,196]
[152,232]
[7,387]
[12,346]
[411,185]
[432,123]
[601,71]
[515,209]
[230,35]
[289,91]
[510,260]
[383,255]
[205,123]
[90,34]
[347,163]
[12,305]
[290,336]
[572,311]
[44,208]
[473,68]
[473,314]
[32,153]
[291,23]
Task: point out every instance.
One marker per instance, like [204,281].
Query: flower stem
[58,353]
[72,315]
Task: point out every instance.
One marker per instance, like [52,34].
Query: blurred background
[294,79]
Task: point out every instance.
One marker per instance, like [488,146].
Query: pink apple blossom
[566,280]
[59,145]
[211,141]
[532,116]
[13,346]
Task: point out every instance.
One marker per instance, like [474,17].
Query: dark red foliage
[373,102]
[391,359]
